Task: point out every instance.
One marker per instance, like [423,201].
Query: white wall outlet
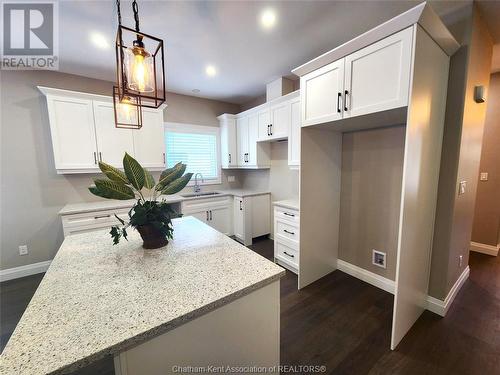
[460,260]
[23,250]
[461,187]
[378,258]
[483,176]
[231,178]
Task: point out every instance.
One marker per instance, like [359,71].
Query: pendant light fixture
[140,65]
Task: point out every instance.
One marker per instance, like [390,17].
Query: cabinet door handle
[339,97]
[101,217]
[100,156]
[292,233]
[271,129]
[346,92]
[287,214]
[229,158]
[164,158]
[207,215]
[210,215]
[95,158]
[241,208]
[290,255]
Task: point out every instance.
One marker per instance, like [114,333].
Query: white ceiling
[226,34]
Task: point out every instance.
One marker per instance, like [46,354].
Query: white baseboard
[484,249]
[22,271]
[441,307]
[367,276]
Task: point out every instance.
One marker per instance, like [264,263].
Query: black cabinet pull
[290,255]
[229,158]
[292,233]
[164,158]
[338,102]
[95,158]
[101,217]
[287,214]
[268,131]
[207,215]
[100,156]
[345,100]
[241,208]
[210,215]
[271,129]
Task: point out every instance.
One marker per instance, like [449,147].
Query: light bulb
[139,69]
[126,110]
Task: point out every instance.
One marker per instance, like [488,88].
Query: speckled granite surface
[294,204]
[98,299]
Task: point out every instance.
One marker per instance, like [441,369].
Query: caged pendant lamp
[139,64]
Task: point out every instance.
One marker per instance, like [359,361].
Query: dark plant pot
[152,237]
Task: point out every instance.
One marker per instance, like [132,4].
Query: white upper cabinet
[294,137]
[73,133]
[228,146]
[264,117]
[83,132]
[149,141]
[242,140]
[112,142]
[253,146]
[280,121]
[321,94]
[377,77]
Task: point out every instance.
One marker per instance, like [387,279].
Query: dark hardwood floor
[344,324]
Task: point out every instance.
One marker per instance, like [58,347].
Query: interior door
[321,94]
[377,77]
[112,142]
[280,120]
[264,122]
[149,141]
[253,134]
[242,136]
[220,219]
[73,132]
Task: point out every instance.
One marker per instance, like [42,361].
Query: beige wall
[370,198]
[470,66]
[486,225]
[31,191]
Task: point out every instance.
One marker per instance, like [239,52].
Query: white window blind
[195,146]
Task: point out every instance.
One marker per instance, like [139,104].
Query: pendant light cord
[118,11]
[135,8]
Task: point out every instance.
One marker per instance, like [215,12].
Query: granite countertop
[97,299]
[78,208]
[293,204]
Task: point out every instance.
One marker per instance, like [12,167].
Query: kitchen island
[204,299]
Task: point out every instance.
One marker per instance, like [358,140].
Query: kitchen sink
[208,193]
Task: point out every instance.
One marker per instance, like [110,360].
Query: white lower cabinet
[287,237]
[91,221]
[252,217]
[215,212]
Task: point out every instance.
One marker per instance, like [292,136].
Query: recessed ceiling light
[268,18]
[210,70]
[99,40]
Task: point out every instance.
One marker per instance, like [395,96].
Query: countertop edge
[166,327]
[286,204]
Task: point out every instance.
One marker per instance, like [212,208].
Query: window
[197,147]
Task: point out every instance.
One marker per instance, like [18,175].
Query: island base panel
[245,332]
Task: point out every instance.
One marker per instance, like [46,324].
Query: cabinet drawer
[94,218]
[292,216]
[201,204]
[287,230]
[286,253]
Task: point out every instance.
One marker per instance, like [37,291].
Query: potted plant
[150,216]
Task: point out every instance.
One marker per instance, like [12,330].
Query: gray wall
[370,198]
[31,192]
[463,133]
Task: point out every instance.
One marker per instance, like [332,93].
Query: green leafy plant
[148,215]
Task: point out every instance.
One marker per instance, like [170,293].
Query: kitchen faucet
[197,187]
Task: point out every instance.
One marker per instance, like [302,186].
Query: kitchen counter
[293,204]
[97,299]
[77,208]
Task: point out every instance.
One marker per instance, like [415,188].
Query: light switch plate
[483,176]
[23,250]
[378,258]
[461,187]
